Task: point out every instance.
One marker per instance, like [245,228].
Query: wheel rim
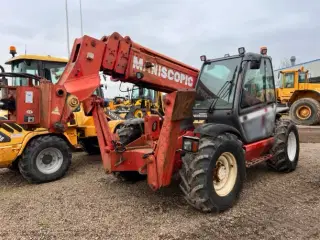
[303,112]
[138,114]
[291,146]
[225,174]
[49,160]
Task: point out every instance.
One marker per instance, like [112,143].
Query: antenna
[67,23]
[81,18]
[25,49]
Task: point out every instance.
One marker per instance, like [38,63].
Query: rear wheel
[45,159]
[212,179]
[286,148]
[305,111]
[127,134]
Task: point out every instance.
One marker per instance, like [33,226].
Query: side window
[56,73]
[270,91]
[289,80]
[252,88]
[302,77]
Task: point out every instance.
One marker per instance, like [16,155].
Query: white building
[313,67]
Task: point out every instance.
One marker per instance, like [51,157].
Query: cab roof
[47,58]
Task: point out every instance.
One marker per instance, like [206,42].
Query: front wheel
[213,177]
[46,158]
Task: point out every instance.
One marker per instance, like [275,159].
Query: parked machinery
[29,147]
[301,95]
[239,129]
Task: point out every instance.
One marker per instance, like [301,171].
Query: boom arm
[124,60]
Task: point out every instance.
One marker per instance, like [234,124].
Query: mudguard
[214,129]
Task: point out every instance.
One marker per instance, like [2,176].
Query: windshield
[288,80]
[30,67]
[217,81]
[52,71]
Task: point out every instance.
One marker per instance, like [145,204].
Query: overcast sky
[182,29]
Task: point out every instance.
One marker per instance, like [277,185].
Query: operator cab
[50,68]
[144,96]
[237,93]
[47,67]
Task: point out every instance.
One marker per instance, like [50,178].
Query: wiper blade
[223,90]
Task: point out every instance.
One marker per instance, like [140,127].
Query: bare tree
[284,63]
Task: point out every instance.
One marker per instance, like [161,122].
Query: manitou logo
[163,72]
[1,138]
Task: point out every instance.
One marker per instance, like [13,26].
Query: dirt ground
[88,204]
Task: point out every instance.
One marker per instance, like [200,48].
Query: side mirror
[255,64]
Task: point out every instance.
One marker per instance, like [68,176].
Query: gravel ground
[88,204]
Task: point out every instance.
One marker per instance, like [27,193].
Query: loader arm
[126,61]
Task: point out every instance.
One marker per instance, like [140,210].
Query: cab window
[302,77]
[252,87]
[288,80]
[53,71]
[258,85]
[25,66]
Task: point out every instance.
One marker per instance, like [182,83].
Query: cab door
[257,108]
[288,85]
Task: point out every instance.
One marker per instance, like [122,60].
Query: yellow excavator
[18,142]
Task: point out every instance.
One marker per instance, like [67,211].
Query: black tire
[91,145]
[131,112]
[28,163]
[127,134]
[281,161]
[197,173]
[313,104]
[14,166]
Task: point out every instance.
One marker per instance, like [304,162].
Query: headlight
[190,144]
[187,145]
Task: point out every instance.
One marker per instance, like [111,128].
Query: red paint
[155,152]
[258,149]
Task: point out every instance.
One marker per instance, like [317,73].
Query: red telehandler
[218,120]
